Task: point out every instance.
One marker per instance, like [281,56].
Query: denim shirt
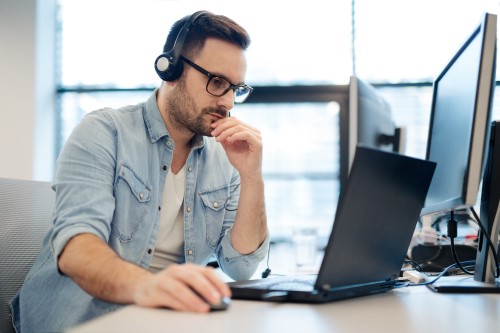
[109,182]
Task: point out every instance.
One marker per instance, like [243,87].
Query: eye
[219,83]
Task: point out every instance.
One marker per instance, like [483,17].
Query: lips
[215,116]
[215,113]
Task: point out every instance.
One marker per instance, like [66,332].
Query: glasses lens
[217,86]
[241,93]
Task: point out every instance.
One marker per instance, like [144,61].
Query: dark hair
[205,26]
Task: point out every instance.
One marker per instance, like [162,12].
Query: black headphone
[167,65]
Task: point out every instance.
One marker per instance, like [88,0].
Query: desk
[404,310]
[408,310]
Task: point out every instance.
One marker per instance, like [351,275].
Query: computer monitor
[368,121]
[459,129]
[485,267]
[461,112]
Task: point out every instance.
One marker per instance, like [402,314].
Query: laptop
[376,216]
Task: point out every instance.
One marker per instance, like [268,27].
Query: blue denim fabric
[109,182]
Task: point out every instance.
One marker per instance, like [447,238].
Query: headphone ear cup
[165,69]
[174,72]
[168,65]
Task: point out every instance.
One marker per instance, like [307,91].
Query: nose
[227,100]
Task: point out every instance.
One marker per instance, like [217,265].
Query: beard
[183,114]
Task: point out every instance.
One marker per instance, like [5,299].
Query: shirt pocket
[132,196]
[214,202]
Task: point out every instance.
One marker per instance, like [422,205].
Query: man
[146,195]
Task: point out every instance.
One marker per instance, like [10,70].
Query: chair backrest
[25,217]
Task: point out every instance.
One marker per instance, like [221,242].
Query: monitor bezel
[486,30]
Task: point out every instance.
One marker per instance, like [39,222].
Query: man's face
[190,106]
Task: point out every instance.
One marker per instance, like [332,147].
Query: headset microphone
[167,65]
[267,271]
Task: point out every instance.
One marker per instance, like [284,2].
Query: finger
[241,136]
[205,283]
[251,143]
[214,278]
[238,128]
[163,291]
[238,133]
[223,124]
[179,296]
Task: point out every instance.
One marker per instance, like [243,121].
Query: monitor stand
[485,279]
[464,284]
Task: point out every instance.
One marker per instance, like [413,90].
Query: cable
[267,271]
[415,265]
[443,273]
[488,239]
[452,233]
[457,261]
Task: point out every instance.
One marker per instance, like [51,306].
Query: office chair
[25,217]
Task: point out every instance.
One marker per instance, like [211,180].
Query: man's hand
[97,269]
[242,143]
[182,287]
[243,146]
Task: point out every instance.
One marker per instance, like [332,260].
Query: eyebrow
[192,63]
[226,78]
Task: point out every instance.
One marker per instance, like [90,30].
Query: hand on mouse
[185,287]
[222,305]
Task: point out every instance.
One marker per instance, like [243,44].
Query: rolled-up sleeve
[84,182]
[240,266]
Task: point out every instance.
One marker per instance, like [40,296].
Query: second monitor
[367,121]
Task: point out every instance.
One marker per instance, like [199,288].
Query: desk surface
[409,310]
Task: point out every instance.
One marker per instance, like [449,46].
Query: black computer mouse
[222,305]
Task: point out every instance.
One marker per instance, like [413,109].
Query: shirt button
[216,205]
[188,209]
[190,169]
[141,195]
[150,251]
[164,168]
[169,143]
[159,207]
[190,252]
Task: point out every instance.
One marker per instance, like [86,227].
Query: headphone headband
[167,64]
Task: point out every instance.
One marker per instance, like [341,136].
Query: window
[300,162]
[107,50]
[114,43]
[403,41]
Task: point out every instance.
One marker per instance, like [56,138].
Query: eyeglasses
[219,86]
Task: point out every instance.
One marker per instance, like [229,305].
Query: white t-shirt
[170,241]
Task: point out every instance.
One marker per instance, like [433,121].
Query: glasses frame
[212,76]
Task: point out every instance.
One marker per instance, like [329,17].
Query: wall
[27,34]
